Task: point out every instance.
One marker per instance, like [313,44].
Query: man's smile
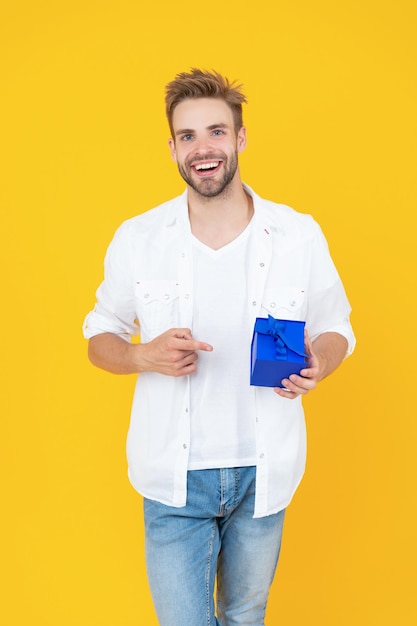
[206,168]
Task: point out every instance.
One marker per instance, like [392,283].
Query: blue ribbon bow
[283,343]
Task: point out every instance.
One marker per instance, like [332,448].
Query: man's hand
[300,385]
[174,353]
[324,357]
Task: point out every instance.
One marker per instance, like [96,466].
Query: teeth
[207,166]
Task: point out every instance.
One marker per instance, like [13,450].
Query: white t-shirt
[221,401]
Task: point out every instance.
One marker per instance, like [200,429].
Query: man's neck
[219,220]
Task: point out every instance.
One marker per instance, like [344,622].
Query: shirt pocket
[157,306]
[284,303]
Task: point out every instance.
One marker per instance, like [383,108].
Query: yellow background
[332,131]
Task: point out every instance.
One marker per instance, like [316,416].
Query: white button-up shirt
[148,288]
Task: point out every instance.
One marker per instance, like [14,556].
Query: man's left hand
[297,385]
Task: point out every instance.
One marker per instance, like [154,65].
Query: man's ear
[171,144]
[241,139]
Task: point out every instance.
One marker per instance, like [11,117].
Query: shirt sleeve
[115,311]
[328,307]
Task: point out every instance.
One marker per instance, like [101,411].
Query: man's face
[205,145]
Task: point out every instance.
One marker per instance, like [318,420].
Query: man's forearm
[330,348]
[113,354]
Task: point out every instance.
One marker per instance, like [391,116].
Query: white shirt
[149,278]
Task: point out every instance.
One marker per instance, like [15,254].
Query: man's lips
[206,168]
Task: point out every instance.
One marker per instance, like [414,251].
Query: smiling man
[216,459]
[207,155]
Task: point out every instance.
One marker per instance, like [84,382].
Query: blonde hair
[203,84]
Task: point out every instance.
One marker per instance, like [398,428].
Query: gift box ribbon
[278,330]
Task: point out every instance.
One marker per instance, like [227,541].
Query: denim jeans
[215,534]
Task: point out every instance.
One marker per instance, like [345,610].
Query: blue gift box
[277,351]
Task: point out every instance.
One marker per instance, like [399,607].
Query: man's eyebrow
[220,125]
[190,131]
[184,131]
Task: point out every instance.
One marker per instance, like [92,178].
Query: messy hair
[203,84]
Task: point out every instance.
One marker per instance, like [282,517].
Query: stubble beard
[208,187]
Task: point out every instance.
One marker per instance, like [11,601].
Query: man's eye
[218,131]
[187,137]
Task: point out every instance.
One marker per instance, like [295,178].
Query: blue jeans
[215,534]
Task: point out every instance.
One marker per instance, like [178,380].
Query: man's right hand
[174,353]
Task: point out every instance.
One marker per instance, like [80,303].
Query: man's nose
[203,145]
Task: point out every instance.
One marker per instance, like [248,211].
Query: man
[216,459]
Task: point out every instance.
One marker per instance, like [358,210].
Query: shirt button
[293,303]
[272,305]
[146,295]
[261,456]
[184,445]
[166,296]
[187,295]
[254,303]
[261,264]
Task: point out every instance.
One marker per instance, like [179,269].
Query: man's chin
[209,187]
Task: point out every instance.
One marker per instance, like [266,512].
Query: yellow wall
[332,131]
